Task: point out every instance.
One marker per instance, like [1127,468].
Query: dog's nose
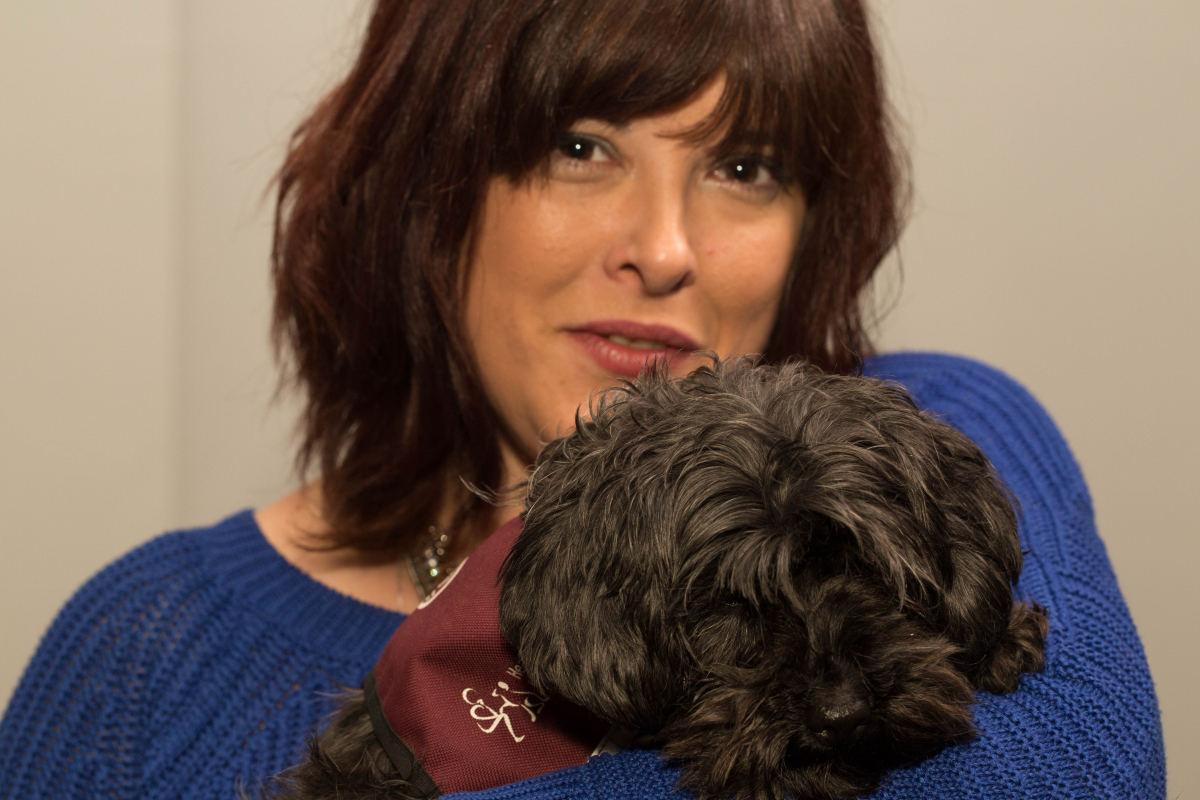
[839,721]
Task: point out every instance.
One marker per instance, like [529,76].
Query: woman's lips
[636,344]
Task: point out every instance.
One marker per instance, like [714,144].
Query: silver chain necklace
[425,564]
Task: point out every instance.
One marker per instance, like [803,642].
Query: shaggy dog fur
[794,581]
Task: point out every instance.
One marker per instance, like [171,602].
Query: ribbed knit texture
[201,660]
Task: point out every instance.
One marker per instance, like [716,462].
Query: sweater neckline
[305,610]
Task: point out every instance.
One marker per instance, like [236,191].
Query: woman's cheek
[745,278]
[556,242]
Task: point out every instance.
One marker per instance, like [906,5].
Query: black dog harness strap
[401,756]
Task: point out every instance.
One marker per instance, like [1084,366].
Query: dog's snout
[838,720]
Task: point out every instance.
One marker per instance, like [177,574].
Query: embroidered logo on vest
[482,712]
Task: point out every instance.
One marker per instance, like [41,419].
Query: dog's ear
[974,600]
[1018,650]
[918,503]
[968,526]
[600,643]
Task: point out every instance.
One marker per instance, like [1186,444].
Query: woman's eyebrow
[616,127]
[752,144]
[756,139]
[720,140]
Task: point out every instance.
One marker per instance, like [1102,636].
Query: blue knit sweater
[201,660]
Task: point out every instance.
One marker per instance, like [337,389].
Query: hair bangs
[777,94]
[607,61]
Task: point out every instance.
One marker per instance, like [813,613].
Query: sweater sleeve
[1087,726]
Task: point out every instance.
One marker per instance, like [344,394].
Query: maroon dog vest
[449,701]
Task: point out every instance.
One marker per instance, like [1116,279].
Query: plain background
[1056,153]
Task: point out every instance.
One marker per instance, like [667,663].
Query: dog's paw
[1018,650]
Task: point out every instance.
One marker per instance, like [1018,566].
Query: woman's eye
[578,157]
[578,149]
[746,171]
[575,147]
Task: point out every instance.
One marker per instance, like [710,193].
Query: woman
[505,207]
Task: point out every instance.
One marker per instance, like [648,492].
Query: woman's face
[635,245]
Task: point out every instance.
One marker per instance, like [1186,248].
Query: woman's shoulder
[182,570]
[1016,434]
[179,560]
[230,571]
[87,696]
[129,600]
[199,643]
[970,394]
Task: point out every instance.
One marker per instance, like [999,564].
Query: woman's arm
[1088,726]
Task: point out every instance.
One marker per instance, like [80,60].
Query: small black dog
[793,581]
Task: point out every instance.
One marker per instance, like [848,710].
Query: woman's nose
[657,248]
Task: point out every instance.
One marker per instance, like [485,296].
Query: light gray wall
[1056,152]
[250,70]
[89,297]
[1055,158]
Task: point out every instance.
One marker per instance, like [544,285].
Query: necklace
[425,564]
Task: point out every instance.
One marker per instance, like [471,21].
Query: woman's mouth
[637,344]
[624,348]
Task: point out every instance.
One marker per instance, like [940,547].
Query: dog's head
[796,579]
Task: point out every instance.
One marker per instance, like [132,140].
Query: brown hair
[383,181]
